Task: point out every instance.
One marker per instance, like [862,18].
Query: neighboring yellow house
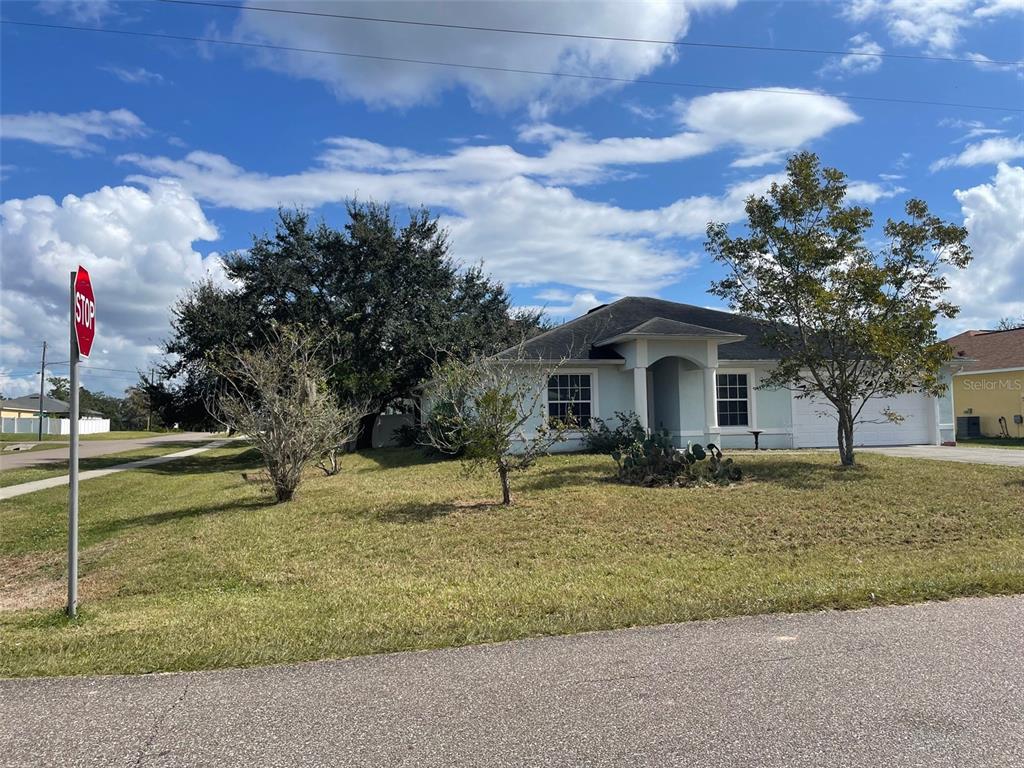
[991,383]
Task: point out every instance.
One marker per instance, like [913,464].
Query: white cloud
[990,287]
[984,63]
[91,11]
[559,305]
[527,230]
[937,26]
[764,124]
[857,62]
[138,247]
[73,132]
[519,213]
[987,152]
[135,76]
[871,192]
[383,83]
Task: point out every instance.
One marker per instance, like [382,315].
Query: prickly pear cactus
[655,461]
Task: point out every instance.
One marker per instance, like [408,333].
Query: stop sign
[85,312]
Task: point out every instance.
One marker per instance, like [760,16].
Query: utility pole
[149,401]
[42,378]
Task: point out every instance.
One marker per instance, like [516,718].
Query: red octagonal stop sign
[85,312]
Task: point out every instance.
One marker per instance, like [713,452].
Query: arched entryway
[675,401]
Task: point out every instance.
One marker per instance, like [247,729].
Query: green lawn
[47,469]
[994,442]
[186,565]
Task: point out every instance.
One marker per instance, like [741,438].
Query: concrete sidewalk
[89,449]
[937,684]
[52,482]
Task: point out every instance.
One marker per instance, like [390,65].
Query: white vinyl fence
[29,426]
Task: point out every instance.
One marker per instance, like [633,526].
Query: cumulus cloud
[138,247]
[863,59]
[73,132]
[383,83]
[937,26]
[987,152]
[990,287]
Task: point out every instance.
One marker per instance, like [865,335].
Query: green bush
[600,438]
[655,461]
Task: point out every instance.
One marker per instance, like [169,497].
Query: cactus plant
[655,461]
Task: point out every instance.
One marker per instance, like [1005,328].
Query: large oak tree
[386,296]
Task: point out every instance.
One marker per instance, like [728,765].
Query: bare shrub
[278,396]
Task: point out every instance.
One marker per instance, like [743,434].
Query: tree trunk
[365,439]
[845,436]
[506,491]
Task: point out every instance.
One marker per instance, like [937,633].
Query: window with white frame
[733,400]
[570,398]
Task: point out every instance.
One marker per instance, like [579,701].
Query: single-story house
[695,372]
[990,382]
[21,415]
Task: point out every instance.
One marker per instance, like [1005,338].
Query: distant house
[990,384]
[695,372]
[21,416]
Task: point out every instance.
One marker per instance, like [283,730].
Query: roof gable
[581,337]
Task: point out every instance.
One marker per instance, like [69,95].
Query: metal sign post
[73,466]
[83,330]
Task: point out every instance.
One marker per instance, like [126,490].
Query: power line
[486,68]
[581,36]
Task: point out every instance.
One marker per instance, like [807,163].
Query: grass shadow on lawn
[423,513]
[204,464]
[396,458]
[110,528]
[803,475]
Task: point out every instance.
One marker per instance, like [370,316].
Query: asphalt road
[88,449]
[927,685]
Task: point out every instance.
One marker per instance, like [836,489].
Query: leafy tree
[480,408]
[60,388]
[849,323]
[384,297]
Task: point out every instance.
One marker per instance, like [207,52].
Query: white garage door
[814,423]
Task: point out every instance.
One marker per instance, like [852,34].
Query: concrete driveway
[1005,457]
[88,449]
[936,684]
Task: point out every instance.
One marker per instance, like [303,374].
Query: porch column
[640,395]
[711,401]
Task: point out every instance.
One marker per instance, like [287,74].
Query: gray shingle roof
[577,338]
[50,405]
[660,326]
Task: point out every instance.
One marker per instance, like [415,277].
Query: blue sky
[144,159]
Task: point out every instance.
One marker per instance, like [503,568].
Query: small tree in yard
[278,396]
[849,323]
[481,407]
